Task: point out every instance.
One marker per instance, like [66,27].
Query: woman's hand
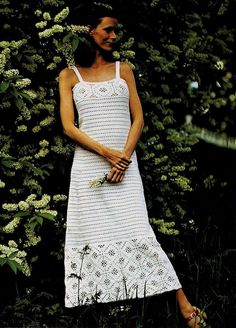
[117,159]
[115,175]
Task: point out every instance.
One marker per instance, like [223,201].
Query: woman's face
[104,33]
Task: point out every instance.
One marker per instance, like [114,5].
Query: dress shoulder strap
[117,69]
[77,73]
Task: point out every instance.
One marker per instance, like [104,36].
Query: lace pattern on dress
[117,271]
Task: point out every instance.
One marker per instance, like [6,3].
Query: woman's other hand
[117,159]
[115,175]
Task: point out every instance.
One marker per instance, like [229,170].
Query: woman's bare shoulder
[125,68]
[126,72]
[66,73]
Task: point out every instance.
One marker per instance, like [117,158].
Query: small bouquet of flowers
[98,181]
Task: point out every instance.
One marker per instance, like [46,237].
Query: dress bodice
[103,108]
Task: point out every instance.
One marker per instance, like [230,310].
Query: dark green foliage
[185,71]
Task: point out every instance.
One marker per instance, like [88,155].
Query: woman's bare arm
[116,158]
[137,121]
[135,109]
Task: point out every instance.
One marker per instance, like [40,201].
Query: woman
[111,252]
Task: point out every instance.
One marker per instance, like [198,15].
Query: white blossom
[219,65]
[21,128]
[59,197]
[47,16]
[41,24]
[11,73]
[20,84]
[11,226]
[62,15]
[10,207]
[2,184]
[23,205]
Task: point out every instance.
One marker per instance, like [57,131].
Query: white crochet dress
[111,252]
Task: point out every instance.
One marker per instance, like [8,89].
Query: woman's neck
[99,60]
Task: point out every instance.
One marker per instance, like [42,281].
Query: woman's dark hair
[97,12]
[86,50]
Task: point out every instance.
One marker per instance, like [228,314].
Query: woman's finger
[115,176]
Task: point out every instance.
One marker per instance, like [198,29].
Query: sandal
[198,316]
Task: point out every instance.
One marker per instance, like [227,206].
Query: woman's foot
[195,318]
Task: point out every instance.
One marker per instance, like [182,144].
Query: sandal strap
[193,315]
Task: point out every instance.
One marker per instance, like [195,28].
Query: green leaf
[7,163]
[22,213]
[3,261]
[67,38]
[40,220]
[75,43]
[13,266]
[47,216]
[14,91]
[12,255]
[4,86]
[24,95]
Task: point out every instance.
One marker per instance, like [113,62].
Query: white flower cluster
[62,15]
[219,65]
[57,59]
[2,184]
[128,44]
[47,16]
[31,236]
[41,24]
[17,165]
[21,128]
[37,58]
[41,153]
[77,29]
[12,243]
[105,5]
[130,64]
[3,59]
[38,12]
[32,184]
[25,268]
[31,93]
[51,31]
[59,198]
[10,207]
[51,66]
[43,106]
[97,182]
[20,84]
[60,148]
[167,228]
[18,44]
[36,129]
[42,203]
[47,121]
[154,3]
[68,54]
[10,73]
[116,55]
[5,104]
[23,205]
[128,54]
[4,44]
[43,143]
[11,226]
[30,199]
[25,113]
[14,254]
